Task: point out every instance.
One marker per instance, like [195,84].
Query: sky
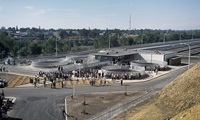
[101,14]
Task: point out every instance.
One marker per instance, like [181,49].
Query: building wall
[175,61]
[168,56]
[158,57]
[150,57]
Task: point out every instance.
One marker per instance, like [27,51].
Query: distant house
[24,34]
[102,33]
[17,34]
[47,34]
[10,33]
[75,32]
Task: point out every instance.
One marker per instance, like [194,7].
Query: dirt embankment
[81,82]
[18,80]
[178,100]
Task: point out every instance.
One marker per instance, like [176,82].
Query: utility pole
[56,47]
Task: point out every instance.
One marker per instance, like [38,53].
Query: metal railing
[119,108]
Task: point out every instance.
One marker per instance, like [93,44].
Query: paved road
[46,103]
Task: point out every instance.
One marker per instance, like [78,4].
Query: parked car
[3,83]
[26,62]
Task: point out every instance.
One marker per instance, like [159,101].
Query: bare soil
[18,80]
[14,80]
[96,103]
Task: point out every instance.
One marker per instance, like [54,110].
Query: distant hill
[180,99]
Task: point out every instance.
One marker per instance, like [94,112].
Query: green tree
[63,34]
[123,41]
[35,49]
[49,46]
[66,47]
[3,50]
[84,33]
[96,44]
[41,36]
[131,41]
[114,41]
[75,45]
[7,44]
[24,51]
[103,42]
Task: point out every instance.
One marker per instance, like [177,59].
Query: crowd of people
[60,75]
[3,69]
[124,76]
[91,74]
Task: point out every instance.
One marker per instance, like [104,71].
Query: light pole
[164,38]
[192,35]
[110,35]
[79,70]
[189,53]
[142,38]
[56,47]
[109,41]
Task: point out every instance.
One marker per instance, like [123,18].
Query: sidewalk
[153,75]
[32,85]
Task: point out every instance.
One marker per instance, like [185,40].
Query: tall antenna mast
[130,22]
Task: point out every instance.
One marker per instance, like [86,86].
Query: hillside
[178,100]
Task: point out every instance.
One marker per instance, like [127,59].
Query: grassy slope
[180,99]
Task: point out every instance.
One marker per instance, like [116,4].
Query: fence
[116,110]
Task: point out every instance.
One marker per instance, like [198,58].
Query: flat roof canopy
[124,52]
[116,52]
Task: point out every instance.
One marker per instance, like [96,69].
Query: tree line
[91,39]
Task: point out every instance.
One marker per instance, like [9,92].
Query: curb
[138,81]
[66,107]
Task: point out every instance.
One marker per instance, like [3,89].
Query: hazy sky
[101,14]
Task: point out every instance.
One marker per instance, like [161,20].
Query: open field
[97,103]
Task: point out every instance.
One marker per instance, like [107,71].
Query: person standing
[35,83]
[44,82]
[2,94]
[156,70]
[62,84]
[121,81]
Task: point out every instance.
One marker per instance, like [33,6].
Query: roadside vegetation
[38,41]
